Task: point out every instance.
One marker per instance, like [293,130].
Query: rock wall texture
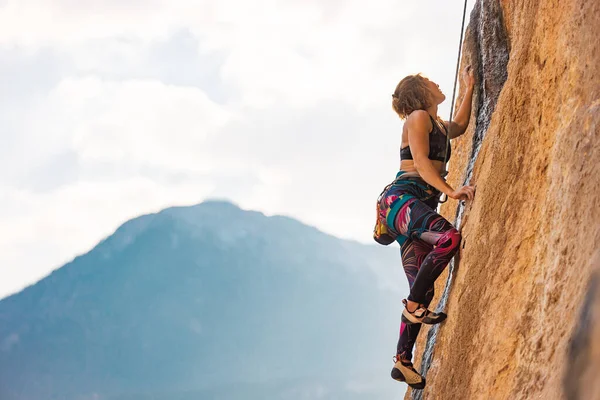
[524,308]
[583,360]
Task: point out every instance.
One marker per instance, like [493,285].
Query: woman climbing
[407,207]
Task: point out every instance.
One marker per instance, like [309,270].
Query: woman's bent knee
[450,240]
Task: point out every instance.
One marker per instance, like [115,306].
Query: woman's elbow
[458,128]
[420,162]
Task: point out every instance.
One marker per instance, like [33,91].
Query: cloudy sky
[111,109]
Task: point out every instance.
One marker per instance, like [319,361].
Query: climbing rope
[462,28]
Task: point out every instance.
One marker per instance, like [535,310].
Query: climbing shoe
[404,371]
[421,315]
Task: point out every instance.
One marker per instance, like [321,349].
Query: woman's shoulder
[419,119]
[418,115]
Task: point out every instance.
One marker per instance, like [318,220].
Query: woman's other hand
[464,193]
[468,77]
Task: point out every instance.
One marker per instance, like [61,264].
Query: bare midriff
[409,165]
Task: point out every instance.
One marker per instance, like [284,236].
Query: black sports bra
[437,145]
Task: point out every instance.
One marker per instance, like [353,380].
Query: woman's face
[437,96]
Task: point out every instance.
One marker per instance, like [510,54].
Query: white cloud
[34,24]
[292,51]
[142,122]
[129,124]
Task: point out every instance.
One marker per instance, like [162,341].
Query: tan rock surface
[529,236]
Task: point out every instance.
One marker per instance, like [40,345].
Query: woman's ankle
[412,306]
[405,358]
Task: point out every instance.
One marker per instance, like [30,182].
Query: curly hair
[411,94]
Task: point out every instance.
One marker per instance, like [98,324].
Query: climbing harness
[454,90]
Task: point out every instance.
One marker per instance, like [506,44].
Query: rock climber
[407,206]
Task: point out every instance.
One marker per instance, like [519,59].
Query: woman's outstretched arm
[461,118]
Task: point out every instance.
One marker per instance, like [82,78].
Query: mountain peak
[165,303]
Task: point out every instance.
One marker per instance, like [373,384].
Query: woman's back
[438,146]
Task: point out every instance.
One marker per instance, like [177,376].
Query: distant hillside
[207,302]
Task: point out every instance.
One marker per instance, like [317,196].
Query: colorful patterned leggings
[431,243]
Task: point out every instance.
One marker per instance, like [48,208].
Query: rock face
[516,297]
[583,361]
